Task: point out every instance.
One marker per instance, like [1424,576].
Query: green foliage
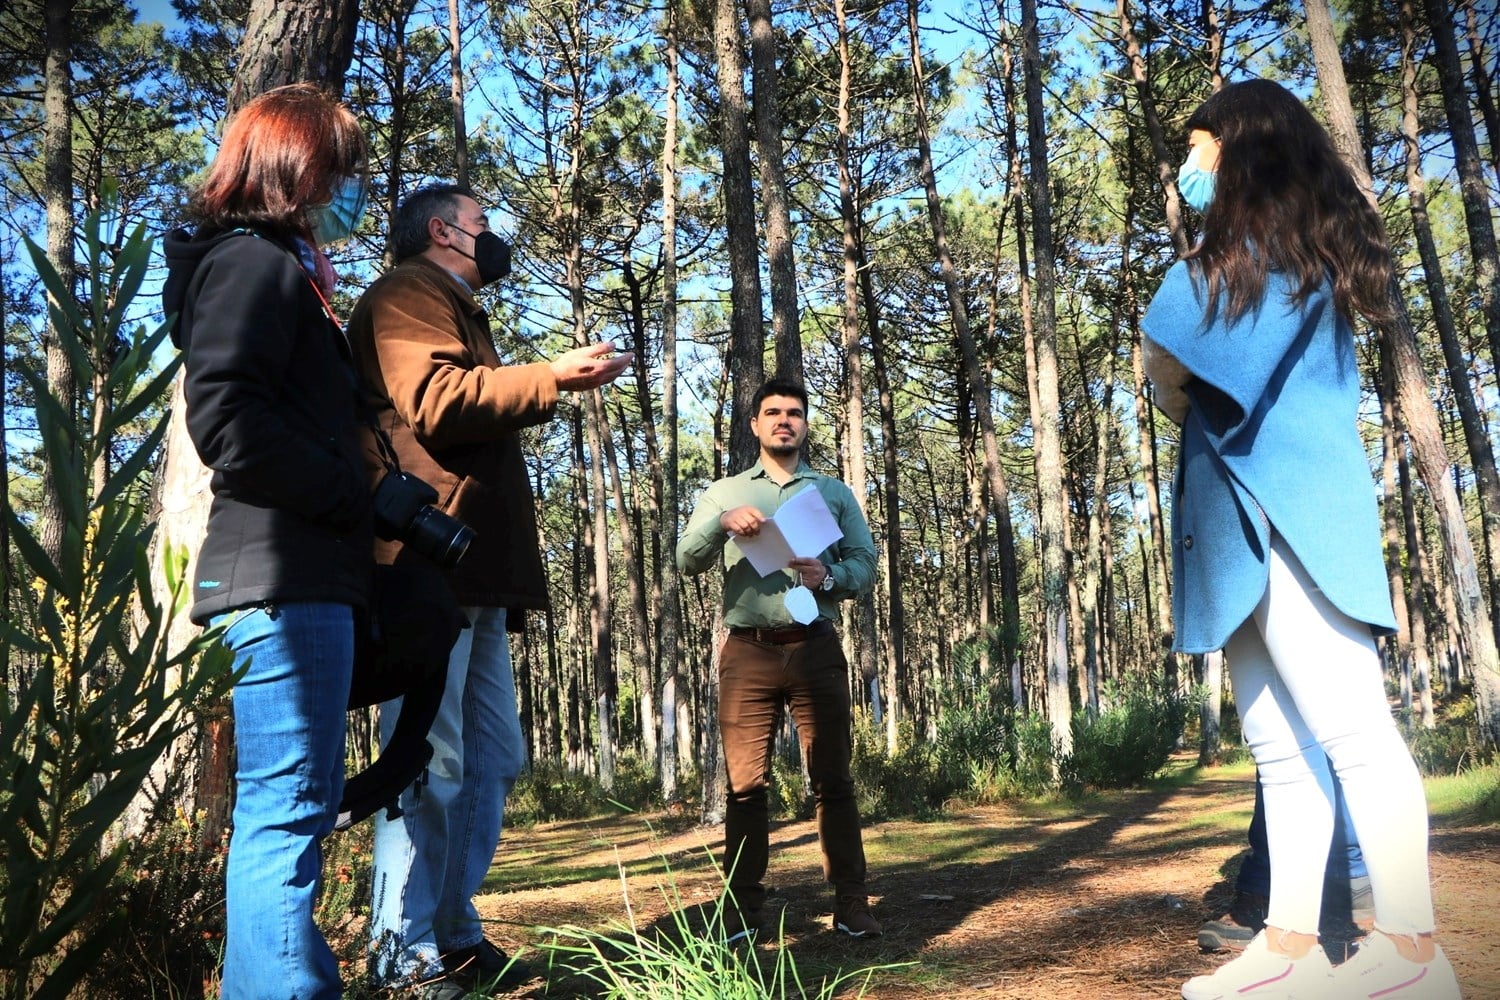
[788,796]
[987,753]
[170,900]
[637,784]
[1453,744]
[903,783]
[549,790]
[688,956]
[88,710]
[1129,741]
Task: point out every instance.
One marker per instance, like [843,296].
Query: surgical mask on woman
[338,219]
[1195,183]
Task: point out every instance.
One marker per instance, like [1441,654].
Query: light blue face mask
[1195,183]
[338,219]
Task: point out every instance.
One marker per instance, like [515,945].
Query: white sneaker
[1378,970]
[1261,973]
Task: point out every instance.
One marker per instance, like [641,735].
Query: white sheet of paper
[801,604]
[802,528]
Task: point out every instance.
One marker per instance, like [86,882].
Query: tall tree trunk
[674,682]
[896,641]
[287,41]
[957,307]
[1103,427]
[1483,84]
[785,326]
[854,440]
[1478,203]
[7,567]
[1166,170]
[1046,419]
[1417,411]
[455,98]
[1476,436]
[1420,680]
[746,361]
[57,181]
[1391,447]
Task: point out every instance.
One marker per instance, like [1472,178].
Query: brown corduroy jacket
[452,410]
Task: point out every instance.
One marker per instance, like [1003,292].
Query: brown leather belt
[782,635]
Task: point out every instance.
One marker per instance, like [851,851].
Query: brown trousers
[755,681]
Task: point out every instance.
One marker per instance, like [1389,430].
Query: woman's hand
[1168,376]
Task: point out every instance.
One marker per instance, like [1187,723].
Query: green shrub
[549,790]
[1453,744]
[89,711]
[171,898]
[1129,741]
[637,784]
[886,785]
[788,796]
[989,753]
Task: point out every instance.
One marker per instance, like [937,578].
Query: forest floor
[1097,897]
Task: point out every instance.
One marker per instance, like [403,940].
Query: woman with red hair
[286,563]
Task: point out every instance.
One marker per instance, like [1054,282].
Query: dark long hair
[281,154]
[1285,201]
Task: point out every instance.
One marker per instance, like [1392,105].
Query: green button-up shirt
[754,601]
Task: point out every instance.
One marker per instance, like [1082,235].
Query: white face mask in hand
[801,605]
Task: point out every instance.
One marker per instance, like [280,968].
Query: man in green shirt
[770,659]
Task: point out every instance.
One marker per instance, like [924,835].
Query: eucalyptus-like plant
[89,707]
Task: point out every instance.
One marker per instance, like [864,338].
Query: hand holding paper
[803,527]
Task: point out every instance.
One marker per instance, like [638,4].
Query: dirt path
[1070,900]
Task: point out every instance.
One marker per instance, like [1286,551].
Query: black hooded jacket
[272,408]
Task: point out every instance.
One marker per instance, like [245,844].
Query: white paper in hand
[803,527]
[802,605]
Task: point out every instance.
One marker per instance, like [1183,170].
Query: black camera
[404,512]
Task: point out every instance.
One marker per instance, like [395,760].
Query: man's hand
[743,521]
[810,572]
[589,367]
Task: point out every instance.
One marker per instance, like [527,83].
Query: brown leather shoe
[852,916]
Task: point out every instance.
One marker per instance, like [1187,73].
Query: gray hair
[409,230]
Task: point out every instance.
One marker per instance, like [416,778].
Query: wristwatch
[827,583]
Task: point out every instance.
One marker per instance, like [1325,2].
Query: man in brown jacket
[452,410]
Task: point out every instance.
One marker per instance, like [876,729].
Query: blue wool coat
[1269,442]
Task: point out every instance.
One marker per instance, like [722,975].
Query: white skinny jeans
[1306,676]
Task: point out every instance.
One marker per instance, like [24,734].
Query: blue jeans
[431,860]
[289,722]
[1345,860]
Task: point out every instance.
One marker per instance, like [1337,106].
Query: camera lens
[437,536]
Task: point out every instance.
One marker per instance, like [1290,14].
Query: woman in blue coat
[1276,545]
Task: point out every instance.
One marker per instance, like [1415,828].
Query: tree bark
[287,41]
[1476,436]
[785,325]
[1483,84]
[57,180]
[1478,203]
[746,361]
[1417,410]
[958,310]
[674,682]
[1046,419]
[455,98]
[1166,171]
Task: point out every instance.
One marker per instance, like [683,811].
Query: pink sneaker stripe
[1267,982]
[1400,986]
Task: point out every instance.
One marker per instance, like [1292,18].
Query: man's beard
[783,450]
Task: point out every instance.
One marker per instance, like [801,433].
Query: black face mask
[491,255]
